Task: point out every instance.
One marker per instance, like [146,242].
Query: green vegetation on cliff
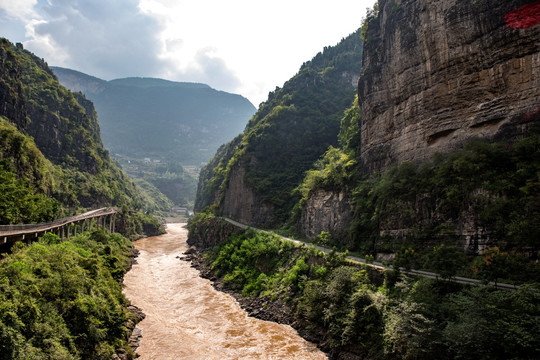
[289,132]
[496,185]
[65,129]
[489,189]
[63,300]
[52,160]
[365,313]
[212,178]
[26,179]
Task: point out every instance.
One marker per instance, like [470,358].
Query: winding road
[379,265]
[13,233]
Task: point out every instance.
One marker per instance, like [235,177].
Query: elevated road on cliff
[14,233]
[379,265]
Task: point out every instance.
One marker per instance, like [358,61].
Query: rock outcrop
[328,211]
[240,202]
[437,73]
[210,232]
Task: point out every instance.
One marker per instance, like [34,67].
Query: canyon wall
[328,211]
[437,73]
[253,178]
[242,203]
[12,104]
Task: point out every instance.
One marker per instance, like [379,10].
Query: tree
[485,323]
[492,266]
[408,333]
[406,259]
[446,260]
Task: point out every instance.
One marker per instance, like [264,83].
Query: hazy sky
[242,46]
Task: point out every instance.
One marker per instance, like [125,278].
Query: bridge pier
[63,228]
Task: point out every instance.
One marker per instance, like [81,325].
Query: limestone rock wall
[210,232]
[243,204]
[328,211]
[438,72]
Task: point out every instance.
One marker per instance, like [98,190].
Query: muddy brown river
[186,318]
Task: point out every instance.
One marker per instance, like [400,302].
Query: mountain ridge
[251,179]
[160,119]
[52,159]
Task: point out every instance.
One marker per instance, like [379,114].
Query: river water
[186,318]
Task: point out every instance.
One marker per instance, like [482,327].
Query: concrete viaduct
[104,217]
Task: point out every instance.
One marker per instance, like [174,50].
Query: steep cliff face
[64,128]
[437,73]
[12,104]
[253,177]
[241,202]
[63,124]
[328,211]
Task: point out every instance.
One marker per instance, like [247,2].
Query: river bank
[187,318]
[263,308]
[358,313]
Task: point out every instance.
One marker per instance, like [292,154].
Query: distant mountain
[160,119]
[78,81]
[52,159]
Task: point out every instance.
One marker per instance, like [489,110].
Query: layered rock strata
[437,73]
[242,203]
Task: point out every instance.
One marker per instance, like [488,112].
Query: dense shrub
[63,300]
[404,318]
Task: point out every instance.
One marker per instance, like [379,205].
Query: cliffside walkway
[61,227]
[379,265]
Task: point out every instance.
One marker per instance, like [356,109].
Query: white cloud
[108,39]
[243,46]
[19,9]
[264,43]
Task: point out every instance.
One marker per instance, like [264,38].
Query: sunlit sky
[241,46]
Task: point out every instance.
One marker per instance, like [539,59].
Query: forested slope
[251,178]
[51,153]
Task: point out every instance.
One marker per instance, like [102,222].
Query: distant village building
[179,210]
